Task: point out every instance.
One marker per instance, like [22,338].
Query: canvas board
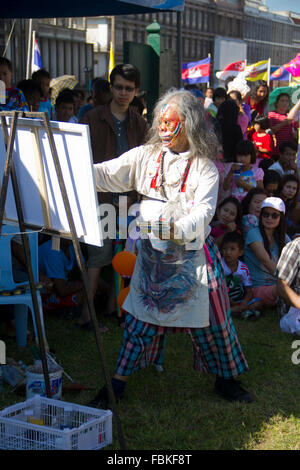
[42,201]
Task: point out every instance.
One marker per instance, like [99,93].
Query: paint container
[35,382]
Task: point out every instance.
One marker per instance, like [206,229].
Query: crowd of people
[228,165]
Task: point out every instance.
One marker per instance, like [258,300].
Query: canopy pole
[179,48]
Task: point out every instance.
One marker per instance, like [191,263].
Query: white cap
[275,203]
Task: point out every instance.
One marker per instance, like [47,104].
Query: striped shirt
[288,268]
[283,134]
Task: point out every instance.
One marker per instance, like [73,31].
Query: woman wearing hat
[263,247]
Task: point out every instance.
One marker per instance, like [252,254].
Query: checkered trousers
[216,348]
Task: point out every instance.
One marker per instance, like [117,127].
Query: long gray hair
[202,140]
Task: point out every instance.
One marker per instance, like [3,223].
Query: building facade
[62,44]
[268,34]
[201,21]
[80,46]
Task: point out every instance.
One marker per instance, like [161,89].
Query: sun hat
[275,203]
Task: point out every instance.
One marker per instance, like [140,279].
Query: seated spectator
[240,84]
[100,94]
[57,265]
[243,118]
[15,99]
[288,273]
[137,104]
[222,167]
[228,130]
[283,121]
[287,159]
[32,92]
[289,193]
[263,247]
[209,92]
[237,275]
[263,141]
[251,207]
[258,98]
[243,175]
[43,78]
[78,99]
[271,182]
[219,96]
[64,106]
[227,218]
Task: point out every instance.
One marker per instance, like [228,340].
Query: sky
[292,5]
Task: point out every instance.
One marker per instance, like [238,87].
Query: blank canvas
[42,201]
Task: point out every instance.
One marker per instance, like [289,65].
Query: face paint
[169,125]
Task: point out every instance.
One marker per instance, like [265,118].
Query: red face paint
[169,125]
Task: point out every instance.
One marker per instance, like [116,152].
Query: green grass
[178,409]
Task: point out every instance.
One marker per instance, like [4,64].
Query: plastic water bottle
[1,379]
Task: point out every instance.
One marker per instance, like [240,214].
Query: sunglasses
[273,215]
[129,89]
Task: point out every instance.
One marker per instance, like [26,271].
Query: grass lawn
[178,409]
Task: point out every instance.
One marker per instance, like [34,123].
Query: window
[187,17]
[199,19]
[187,47]
[119,37]
[194,19]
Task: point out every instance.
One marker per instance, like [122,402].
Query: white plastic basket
[61,426]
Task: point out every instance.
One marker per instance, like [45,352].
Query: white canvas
[74,152]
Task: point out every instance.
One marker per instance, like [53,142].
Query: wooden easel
[9,170]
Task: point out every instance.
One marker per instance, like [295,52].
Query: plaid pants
[216,347]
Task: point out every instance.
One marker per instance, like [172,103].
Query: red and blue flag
[196,72]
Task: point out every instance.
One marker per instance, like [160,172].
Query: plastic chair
[21,301]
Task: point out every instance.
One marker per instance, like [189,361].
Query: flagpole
[179,49]
[32,52]
[269,70]
[207,83]
[29,50]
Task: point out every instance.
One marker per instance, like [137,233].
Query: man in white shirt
[287,159]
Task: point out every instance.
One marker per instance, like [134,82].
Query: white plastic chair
[21,301]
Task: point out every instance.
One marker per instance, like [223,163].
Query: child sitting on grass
[243,175]
[263,141]
[237,274]
[227,218]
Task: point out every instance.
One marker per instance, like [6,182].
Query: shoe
[248,314]
[88,326]
[231,390]
[100,400]
[158,368]
[257,313]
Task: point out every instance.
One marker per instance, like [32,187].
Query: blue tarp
[80,8]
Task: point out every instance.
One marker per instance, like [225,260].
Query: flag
[111,63]
[231,70]
[280,74]
[36,58]
[293,66]
[257,71]
[196,72]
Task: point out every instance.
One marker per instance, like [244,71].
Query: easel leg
[83,272]
[10,171]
